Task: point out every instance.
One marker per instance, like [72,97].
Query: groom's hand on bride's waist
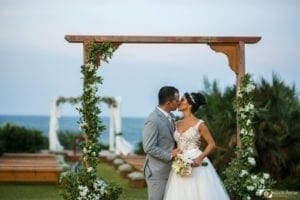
[197,162]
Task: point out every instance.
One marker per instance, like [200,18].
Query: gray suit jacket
[158,143]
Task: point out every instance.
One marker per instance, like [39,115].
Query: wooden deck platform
[29,168]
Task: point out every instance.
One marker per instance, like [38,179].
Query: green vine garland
[85,185]
[110,101]
[240,180]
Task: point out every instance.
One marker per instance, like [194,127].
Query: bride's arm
[210,144]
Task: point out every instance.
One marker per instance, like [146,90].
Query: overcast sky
[36,63]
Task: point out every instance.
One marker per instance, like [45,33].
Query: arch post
[235,53]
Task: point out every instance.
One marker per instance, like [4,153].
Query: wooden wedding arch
[232,47]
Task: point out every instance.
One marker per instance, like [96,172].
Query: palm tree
[277,128]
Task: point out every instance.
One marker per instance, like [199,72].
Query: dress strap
[199,122]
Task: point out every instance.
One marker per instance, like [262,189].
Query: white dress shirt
[165,114]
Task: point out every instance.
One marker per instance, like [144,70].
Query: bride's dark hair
[195,100]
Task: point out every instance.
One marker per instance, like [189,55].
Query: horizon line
[45,115]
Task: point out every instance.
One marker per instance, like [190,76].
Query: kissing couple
[174,165]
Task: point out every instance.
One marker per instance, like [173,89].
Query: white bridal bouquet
[182,165]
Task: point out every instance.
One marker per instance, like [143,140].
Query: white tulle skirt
[202,184]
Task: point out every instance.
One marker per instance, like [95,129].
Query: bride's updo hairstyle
[195,100]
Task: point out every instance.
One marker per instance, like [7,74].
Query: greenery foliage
[85,184]
[66,138]
[139,149]
[110,101]
[71,100]
[240,179]
[18,139]
[2,148]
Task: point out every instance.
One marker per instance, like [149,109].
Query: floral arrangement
[99,186]
[110,157]
[85,184]
[136,176]
[75,187]
[240,180]
[136,179]
[125,168]
[117,162]
[182,165]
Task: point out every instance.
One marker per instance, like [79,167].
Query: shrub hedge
[18,139]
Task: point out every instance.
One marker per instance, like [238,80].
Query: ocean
[131,127]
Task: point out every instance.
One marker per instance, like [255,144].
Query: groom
[158,142]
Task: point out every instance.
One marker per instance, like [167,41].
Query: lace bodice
[189,139]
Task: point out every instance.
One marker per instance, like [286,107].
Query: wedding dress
[203,183]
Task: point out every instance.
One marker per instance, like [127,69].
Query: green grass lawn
[25,191]
[284,195]
[108,173]
[19,191]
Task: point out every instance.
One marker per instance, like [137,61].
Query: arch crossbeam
[160,39]
[232,47]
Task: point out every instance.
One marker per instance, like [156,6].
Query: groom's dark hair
[166,93]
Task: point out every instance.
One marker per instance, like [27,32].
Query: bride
[203,182]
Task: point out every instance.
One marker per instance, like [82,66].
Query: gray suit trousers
[156,189]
